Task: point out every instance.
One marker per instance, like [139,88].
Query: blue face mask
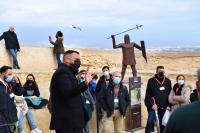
[82,80]
[181,82]
[93,84]
[9,79]
[117,80]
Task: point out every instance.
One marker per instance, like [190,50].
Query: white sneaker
[22,131]
[36,130]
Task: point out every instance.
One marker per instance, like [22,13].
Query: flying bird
[76,27]
[138,26]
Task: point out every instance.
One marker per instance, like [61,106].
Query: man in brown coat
[128,53]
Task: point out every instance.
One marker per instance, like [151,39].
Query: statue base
[133,115]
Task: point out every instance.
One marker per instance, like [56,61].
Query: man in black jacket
[67,114]
[12,45]
[8,111]
[114,100]
[158,88]
[101,85]
[104,79]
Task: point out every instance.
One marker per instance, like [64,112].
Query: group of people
[72,87]
[18,102]
[73,94]
[161,97]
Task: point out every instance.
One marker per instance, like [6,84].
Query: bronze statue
[128,53]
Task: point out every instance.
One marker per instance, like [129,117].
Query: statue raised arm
[128,53]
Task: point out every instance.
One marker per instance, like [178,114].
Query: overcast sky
[167,23]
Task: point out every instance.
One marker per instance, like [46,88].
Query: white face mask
[181,82]
[106,73]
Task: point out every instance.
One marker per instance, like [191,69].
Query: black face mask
[161,74]
[76,66]
[30,81]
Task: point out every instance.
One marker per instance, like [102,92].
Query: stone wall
[31,59]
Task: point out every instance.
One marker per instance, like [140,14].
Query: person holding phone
[58,46]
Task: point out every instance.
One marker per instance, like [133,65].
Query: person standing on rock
[58,46]
[12,45]
[66,107]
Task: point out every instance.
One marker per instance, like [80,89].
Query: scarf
[177,89]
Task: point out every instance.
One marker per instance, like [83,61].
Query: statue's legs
[134,71]
[123,71]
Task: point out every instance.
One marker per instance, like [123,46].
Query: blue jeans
[150,120]
[13,53]
[30,119]
[86,127]
[57,55]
